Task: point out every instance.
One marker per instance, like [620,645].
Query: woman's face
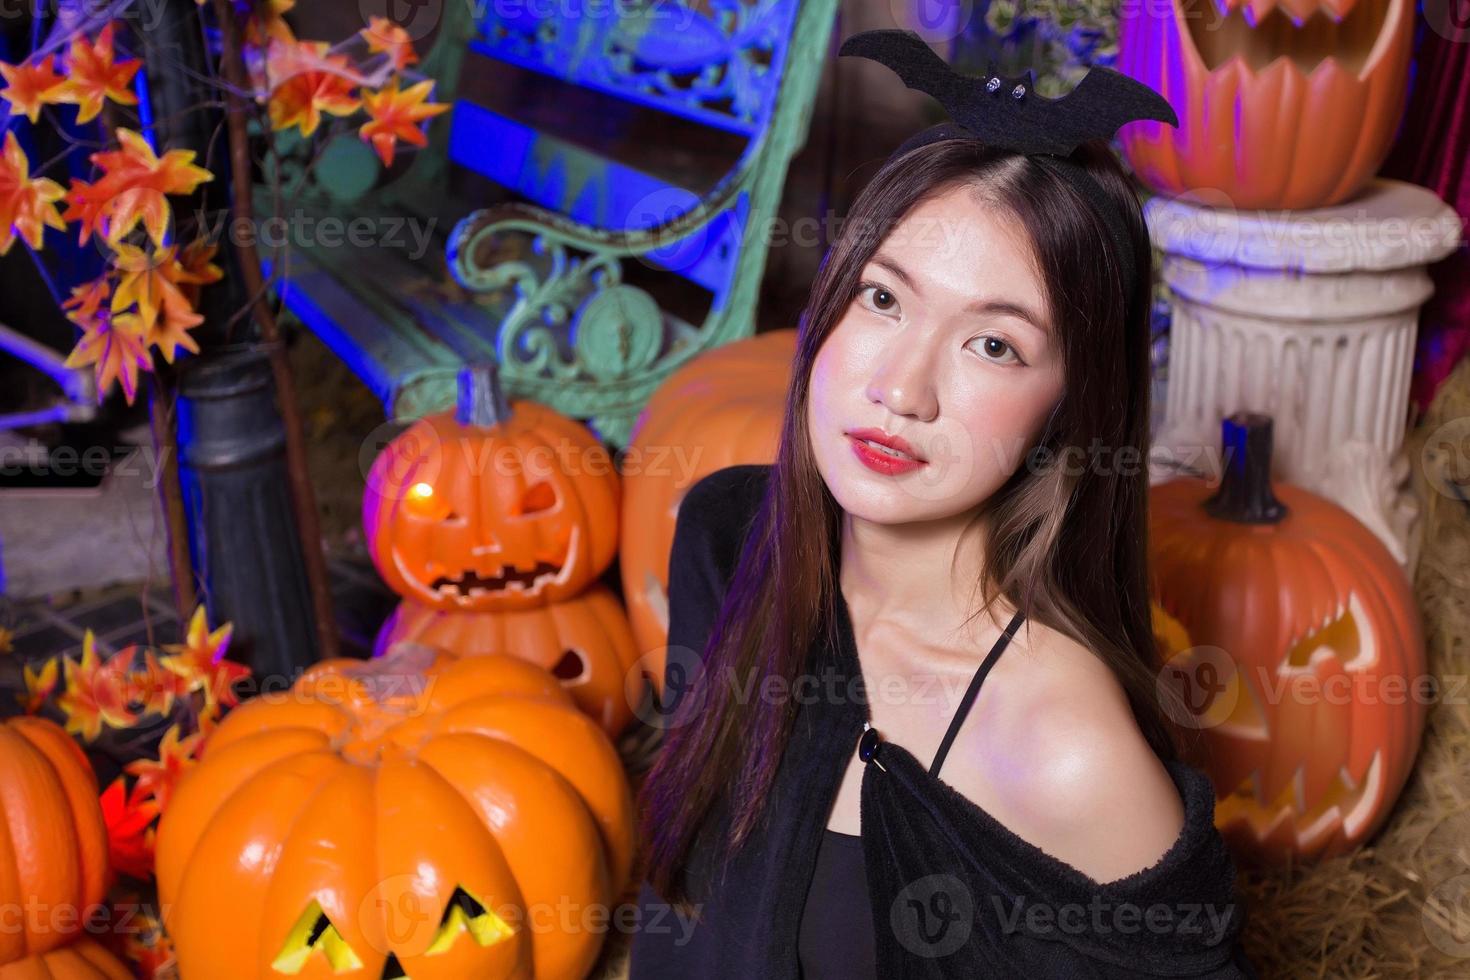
[946,346]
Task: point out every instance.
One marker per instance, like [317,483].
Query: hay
[1396,908]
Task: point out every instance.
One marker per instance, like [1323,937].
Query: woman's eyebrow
[993,307]
[896,269]
[1003,307]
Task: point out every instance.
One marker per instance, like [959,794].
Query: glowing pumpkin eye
[425,503]
[466,913]
[538,498]
[314,931]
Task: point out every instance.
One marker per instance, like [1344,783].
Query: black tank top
[836,939]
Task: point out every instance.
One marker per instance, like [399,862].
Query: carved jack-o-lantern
[1281,103]
[1307,670]
[721,409]
[584,641]
[410,815]
[496,505]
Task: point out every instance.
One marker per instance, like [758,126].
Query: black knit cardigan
[953,892]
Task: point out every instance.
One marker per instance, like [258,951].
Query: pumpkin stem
[482,401]
[1244,495]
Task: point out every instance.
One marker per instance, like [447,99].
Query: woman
[958,497]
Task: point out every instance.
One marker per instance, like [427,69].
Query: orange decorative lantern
[1287,104]
[84,959]
[53,851]
[1306,674]
[584,641]
[491,506]
[405,816]
[721,409]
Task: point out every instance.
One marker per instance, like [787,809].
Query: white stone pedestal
[1310,317]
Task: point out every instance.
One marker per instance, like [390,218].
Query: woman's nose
[903,381]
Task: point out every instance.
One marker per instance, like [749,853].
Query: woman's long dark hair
[1065,538]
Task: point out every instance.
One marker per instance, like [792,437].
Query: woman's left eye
[990,353]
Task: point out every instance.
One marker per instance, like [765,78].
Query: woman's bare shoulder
[1060,760]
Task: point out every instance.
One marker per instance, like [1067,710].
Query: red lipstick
[887,463]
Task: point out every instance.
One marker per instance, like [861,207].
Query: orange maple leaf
[118,347]
[39,685]
[396,115]
[133,189]
[306,82]
[89,697]
[141,687]
[200,662]
[383,34]
[130,834]
[171,331]
[93,75]
[145,279]
[87,299]
[196,261]
[29,86]
[158,777]
[26,203]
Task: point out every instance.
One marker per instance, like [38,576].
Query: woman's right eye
[882,300]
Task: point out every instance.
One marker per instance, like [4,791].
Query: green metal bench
[590,278]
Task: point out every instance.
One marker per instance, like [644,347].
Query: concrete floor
[59,540]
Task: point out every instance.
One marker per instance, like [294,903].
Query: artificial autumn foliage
[132,688]
[146,299]
[397,115]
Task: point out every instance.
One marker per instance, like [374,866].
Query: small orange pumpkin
[496,505]
[408,815]
[584,641]
[83,959]
[54,842]
[721,409]
[1306,670]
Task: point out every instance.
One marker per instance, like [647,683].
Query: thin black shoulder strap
[974,689]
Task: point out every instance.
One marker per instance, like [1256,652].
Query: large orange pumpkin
[584,641]
[496,505]
[721,409]
[83,959]
[53,842]
[1272,115]
[401,816]
[1306,669]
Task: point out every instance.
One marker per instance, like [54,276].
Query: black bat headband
[1007,113]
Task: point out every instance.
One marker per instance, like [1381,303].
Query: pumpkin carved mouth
[471,583]
[1345,806]
[1304,33]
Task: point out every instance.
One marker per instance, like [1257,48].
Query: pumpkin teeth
[1346,807]
[472,583]
[1342,33]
